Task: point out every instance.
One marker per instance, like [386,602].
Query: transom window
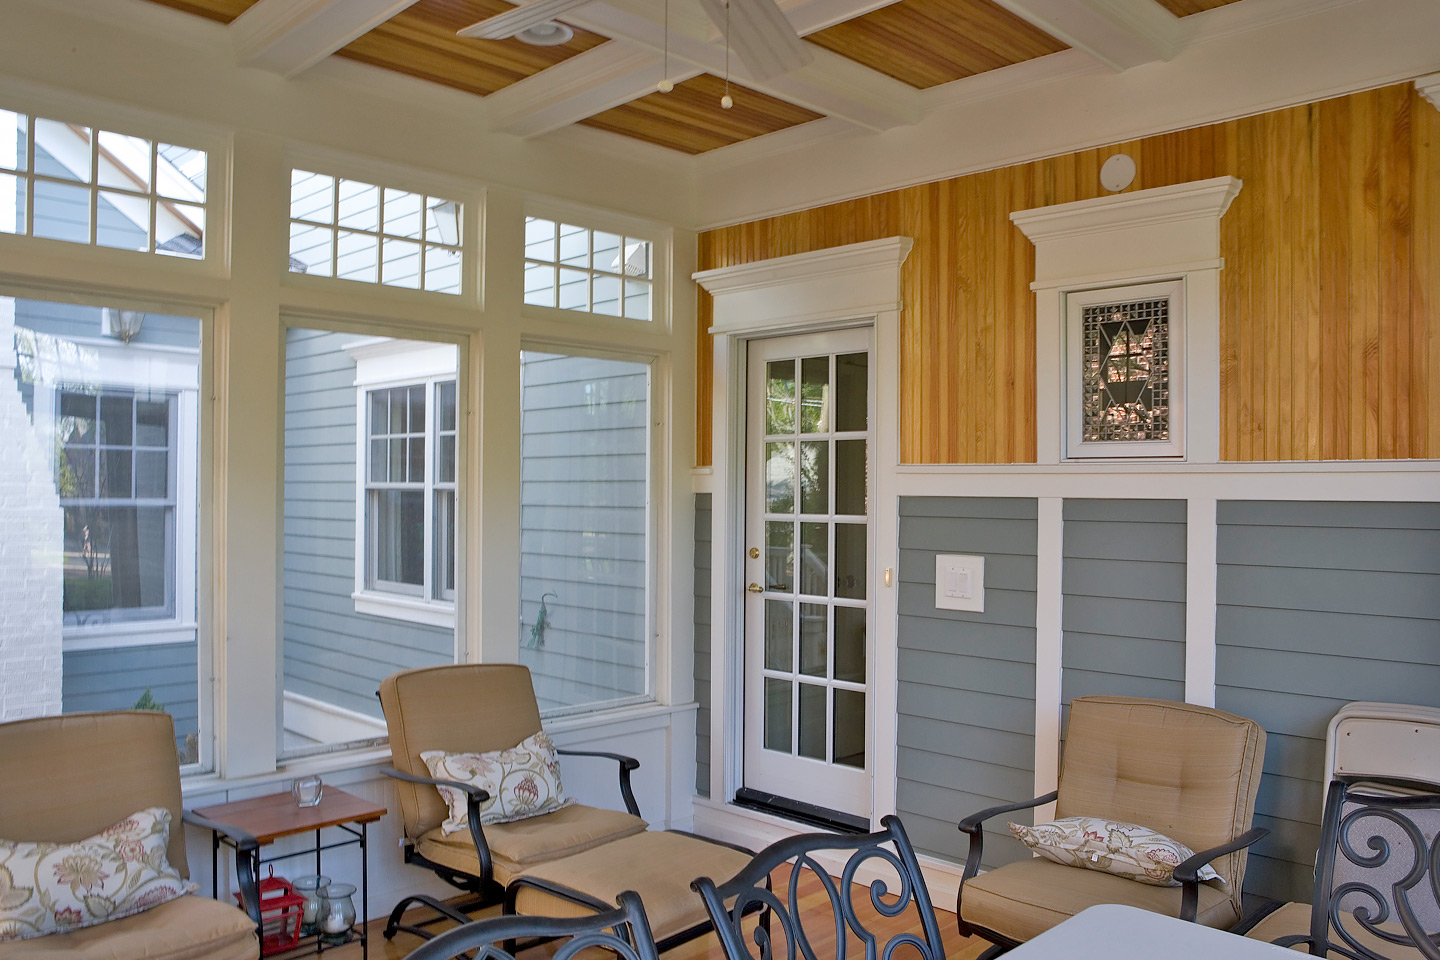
[361,231]
[67,181]
[576,268]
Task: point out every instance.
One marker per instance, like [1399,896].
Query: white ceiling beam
[619,72]
[580,87]
[1119,33]
[831,85]
[290,36]
[507,24]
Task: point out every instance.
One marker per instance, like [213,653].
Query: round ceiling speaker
[551,33]
[1117,173]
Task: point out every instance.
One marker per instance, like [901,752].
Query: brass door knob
[754,553]
[754,588]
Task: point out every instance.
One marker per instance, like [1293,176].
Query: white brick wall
[31,576]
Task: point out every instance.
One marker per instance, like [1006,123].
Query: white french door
[808,549]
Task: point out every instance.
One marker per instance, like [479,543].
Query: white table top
[1111,931]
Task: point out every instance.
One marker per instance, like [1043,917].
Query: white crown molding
[830,262]
[1198,200]
[1429,88]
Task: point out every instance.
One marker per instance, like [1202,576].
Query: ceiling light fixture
[665,86]
[549,33]
[726,102]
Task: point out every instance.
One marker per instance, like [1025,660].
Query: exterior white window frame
[382,363]
[661,258]
[655,556]
[1076,446]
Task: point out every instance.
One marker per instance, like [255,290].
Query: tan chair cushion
[524,843]
[53,766]
[190,928]
[1294,919]
[657,865]
[457,708]
[1022,900]
[1186,771]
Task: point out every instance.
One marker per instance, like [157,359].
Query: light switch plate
[959,582]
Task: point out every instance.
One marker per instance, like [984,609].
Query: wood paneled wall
[1330,327]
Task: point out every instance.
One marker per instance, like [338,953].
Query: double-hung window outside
[410,489]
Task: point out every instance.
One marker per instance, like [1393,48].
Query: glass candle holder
[307,791]
[337,913]
[312,888]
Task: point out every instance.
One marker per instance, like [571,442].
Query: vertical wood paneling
[1328,337]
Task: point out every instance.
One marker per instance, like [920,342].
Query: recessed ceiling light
[551,33]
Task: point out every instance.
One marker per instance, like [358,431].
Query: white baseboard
[754,829]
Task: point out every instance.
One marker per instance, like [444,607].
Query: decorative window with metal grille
[1124,392]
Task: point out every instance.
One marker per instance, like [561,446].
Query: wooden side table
[277,815]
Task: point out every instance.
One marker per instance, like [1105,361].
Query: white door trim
[856,284]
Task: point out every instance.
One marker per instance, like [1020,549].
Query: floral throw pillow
[54,887]
[1124,849]
[523,781]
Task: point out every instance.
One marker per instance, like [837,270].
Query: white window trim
[382,362]
[143,367]
[1148,235]
[1076,446]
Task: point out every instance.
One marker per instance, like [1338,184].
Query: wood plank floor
[815,908]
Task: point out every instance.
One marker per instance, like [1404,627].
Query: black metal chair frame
[483,889]
[247,852]
[749,891]
[624,931]
[1327,919]
[1188,872]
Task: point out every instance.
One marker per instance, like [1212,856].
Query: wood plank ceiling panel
[1183,8]
[222,10]
[421,42]
[929,42]
[690,119]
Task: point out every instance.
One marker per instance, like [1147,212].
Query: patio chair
[866,858]
[624,932]
[1377,876]
[479,708]
[1184,771]
[68,778]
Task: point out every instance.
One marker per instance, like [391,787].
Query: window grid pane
[575,268]
[100,187]
[1126,371]
[370,233]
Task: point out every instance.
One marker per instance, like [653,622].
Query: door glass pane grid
[814,703]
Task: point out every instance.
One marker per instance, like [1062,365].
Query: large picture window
[585,524]
[100,432]
[370,550]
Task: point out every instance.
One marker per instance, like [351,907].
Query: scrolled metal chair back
[750,893]
[1377,878]
[624,931]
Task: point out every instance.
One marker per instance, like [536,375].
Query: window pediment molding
[1197,200]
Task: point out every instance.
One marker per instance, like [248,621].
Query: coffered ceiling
[876,64]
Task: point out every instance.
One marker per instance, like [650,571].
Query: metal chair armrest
[246,850]
[627,764]
[1188,871]
[474,796]
[974,826]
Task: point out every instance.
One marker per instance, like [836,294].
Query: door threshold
[835,821]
